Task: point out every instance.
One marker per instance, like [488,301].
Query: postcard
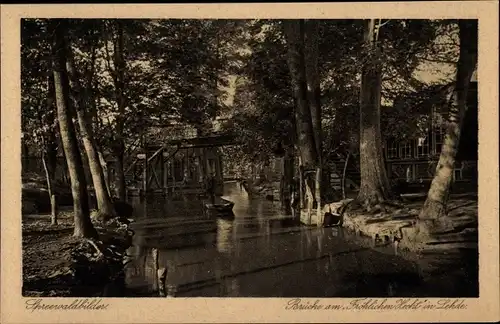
[305,162]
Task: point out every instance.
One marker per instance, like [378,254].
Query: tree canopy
[187,71]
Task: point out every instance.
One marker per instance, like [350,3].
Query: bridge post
[145,173]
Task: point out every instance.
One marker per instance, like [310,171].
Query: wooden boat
[221,206]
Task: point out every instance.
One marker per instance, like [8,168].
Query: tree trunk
[302,198]
[309,185]
[50,165]
[375,187]
[49,174]
[95,121]
[344,174]
[120,120]
[294,32]
[121,189]
[287,183]
[65,171]
[104,203]
[313,84]
[105,171]
[317,195]
[314,98]
[435,205]
[83,224]
[49,154]
[295,39]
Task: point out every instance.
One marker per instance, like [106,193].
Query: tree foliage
[263,105]
[38,120]
[188,72]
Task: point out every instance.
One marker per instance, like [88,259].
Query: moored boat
[220,205]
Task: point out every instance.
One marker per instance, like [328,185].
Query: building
[415,159]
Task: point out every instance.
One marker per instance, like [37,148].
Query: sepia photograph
[249,158]
[241,163]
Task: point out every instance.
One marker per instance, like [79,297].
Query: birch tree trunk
[344,174]
[49,154]
[49,168]
[434,208]
[375,188]
[83,224]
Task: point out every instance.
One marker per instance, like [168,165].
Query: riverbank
[401,223]
[56,264]
[462,213]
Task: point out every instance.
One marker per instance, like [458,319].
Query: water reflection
[262,252]
[225,236]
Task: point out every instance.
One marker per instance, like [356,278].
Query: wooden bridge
[178,166]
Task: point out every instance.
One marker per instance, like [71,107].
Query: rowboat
[220,206]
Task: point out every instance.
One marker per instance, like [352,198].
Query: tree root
[432,226]
[379,206]
[100,254]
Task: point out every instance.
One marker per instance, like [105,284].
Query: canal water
[261,252]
